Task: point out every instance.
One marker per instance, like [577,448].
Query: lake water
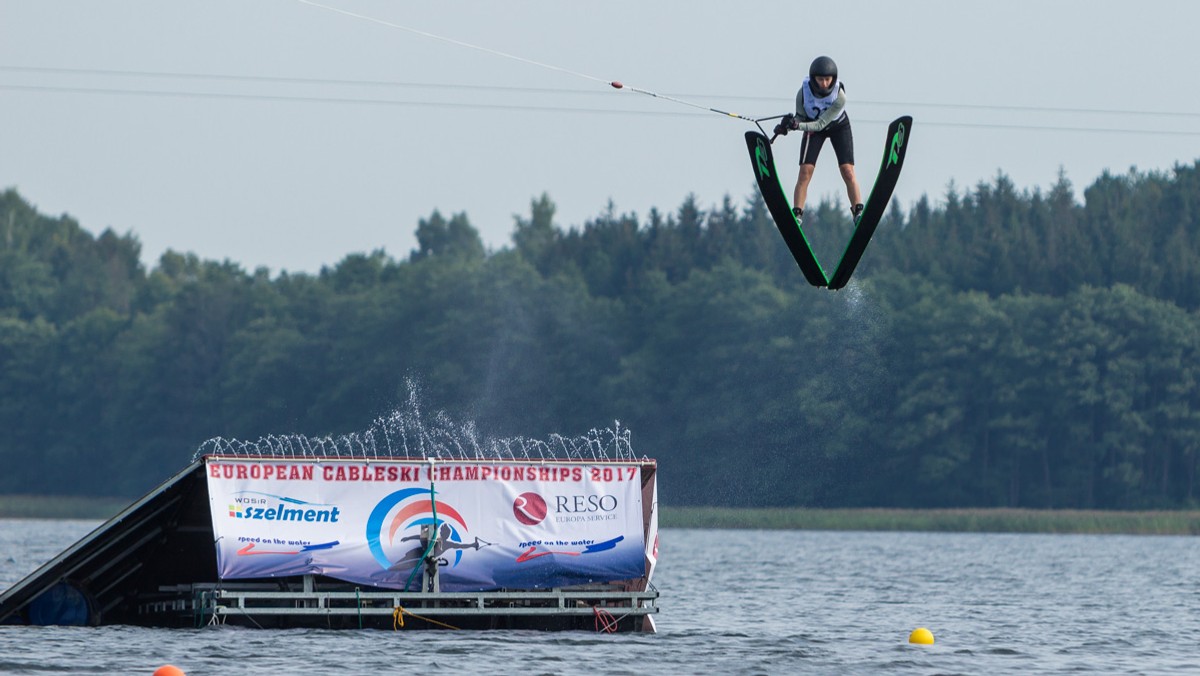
[736,602]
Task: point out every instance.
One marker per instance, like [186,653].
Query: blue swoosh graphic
[601,546]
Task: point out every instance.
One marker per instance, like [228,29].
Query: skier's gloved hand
[785,125]
[791,121]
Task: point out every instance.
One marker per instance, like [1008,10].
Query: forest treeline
[999,348]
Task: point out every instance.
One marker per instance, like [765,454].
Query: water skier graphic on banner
[445,541]
[411,510]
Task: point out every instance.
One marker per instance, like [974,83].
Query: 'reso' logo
[529,508]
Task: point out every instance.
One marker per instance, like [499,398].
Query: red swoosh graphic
[245,551]
[423,507]
[528,554]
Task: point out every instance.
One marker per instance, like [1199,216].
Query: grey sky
[278,159]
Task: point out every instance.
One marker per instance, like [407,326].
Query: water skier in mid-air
[821,114]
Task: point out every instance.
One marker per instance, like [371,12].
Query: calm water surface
[736,602]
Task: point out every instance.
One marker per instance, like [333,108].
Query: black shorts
[840,138]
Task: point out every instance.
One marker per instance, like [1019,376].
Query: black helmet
[822,65]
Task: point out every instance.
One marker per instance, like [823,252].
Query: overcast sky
[276,133]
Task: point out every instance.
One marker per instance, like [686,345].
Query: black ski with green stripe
[777,203]
[876,205]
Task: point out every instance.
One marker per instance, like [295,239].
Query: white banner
[501,525]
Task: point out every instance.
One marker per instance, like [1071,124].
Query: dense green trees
[1003,348]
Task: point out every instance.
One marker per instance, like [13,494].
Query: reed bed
[59,507]
[943,520]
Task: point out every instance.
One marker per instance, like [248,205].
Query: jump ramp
[281,542]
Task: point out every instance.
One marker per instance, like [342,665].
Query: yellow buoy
[169,670]
[921,636]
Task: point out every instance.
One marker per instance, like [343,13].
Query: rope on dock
[399,612]
[604,620]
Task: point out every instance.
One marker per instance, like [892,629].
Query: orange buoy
[169,670]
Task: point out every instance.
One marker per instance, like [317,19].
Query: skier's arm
[831,113]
